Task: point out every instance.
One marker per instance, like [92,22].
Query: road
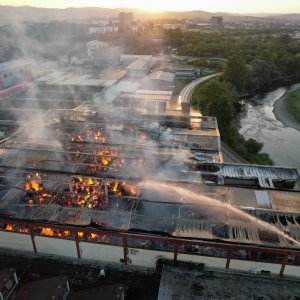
[185,96]
[186,93]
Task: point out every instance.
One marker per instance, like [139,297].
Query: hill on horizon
[29,13]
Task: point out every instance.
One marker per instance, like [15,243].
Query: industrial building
[140,67]
[158,80]
[67,85]
[216,21]
[116,174]
[14,77]
[131,188]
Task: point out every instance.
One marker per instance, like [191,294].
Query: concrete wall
[214,262]
[16,241]
[107,253]
[247,265]
[138,257]
[56,246]
[292,271]
[147,258]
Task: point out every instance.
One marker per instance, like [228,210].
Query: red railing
[178,245]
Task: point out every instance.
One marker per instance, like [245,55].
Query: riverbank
[281,113]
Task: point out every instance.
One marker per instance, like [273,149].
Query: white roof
[154,92]
[12,65]
[160,75]
[97,43]
[141,63]
[146,96]
[134,57]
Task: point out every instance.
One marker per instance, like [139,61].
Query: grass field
[293,104]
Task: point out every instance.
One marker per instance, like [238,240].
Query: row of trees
[218,98]
[257,58]
[253,61]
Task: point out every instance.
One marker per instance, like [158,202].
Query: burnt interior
[88,167]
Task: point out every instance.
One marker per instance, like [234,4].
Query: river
[259,122]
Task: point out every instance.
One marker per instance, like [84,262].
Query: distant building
[14,77]
[190,73]
[296,37]
[101,53]
[140,67]
[94,47]
[103,29]
[125,18]
[216,21]
[126,59]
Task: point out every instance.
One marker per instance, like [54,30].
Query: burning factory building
[132,188]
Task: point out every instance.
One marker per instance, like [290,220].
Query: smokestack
[151,107]
[186,108]
[162,107]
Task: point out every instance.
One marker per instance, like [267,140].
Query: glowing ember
[77,138]
[34,183]
[47,231]
[9,227]
[85,192]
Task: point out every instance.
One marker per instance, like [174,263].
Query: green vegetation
[293,104]
[259,57]
[254,59]
[212,64]
[217,98]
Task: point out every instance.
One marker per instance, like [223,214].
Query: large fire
[90,135]
[34,182]
[104,158]
[85,192]
[16,228]
[58,233]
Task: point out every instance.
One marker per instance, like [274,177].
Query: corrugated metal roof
[160,75]
[145,96]
[262,199]
[285,201]
[141,64]
[155,92]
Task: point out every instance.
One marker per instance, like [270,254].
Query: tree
[262,73]
[217,101]
[253,146]
[237,73]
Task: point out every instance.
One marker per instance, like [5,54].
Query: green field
[293,104]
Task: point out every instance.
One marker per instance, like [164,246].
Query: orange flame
[47,231]
[9,227]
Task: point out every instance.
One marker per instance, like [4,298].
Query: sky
[234,6]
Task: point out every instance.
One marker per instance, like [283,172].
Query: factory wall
[254,266]
[54,246]
[213,262]
[292,271]
[16,241]
[114,254]
[147,258]
[105,253]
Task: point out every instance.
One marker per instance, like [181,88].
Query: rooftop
[13,64]
[46,289]
[160,75]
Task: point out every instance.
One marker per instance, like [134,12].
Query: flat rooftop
[194,283]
